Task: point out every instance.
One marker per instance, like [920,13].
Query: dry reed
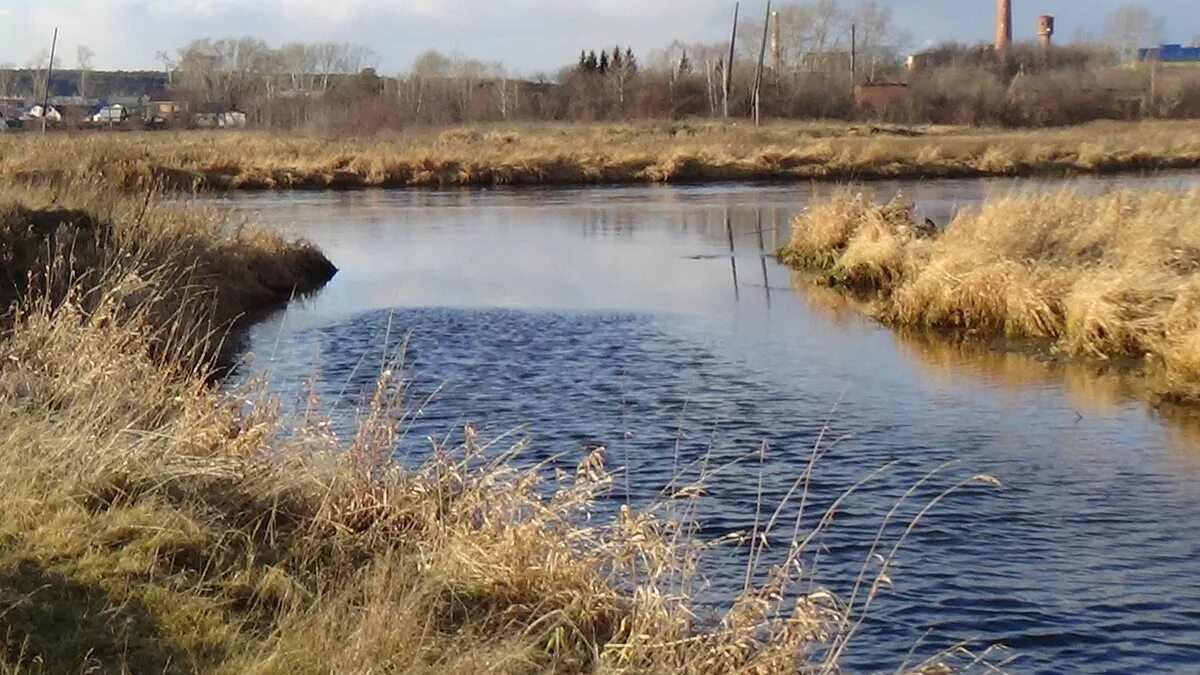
[1113,277]
[584,154]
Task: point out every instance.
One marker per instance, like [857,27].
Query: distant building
[1169,53]
[12,106]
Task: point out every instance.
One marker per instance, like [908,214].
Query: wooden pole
[853,55]
[729,64]
[49,74]
[758,72]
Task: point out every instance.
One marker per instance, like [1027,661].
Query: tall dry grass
[155,524]
[582,154]
[1113,277]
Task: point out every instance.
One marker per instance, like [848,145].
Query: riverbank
[575,154]
[154,524]
[1112,278]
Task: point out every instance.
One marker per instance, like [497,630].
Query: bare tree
[806,29]
[1132,26]
[37,67]
[877,41]
[168,65]
[9,78]
[84,58]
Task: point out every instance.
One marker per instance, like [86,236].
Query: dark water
[611,317]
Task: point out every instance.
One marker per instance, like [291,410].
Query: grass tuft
[1114,278]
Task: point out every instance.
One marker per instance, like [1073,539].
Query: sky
[529,36]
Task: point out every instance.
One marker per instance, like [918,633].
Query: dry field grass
[152,523]
[602,153]
[1113,278]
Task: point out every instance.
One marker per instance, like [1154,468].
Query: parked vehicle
[111,114]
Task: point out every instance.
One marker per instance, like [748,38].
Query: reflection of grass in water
[1088,385]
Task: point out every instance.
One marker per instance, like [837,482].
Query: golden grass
[153,524]
[608,153]
[1113,277]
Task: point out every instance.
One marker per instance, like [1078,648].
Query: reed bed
[153,523]
[1112,278]
[558,154]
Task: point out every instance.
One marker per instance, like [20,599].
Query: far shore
[589,154]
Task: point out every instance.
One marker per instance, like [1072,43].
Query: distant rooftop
[1170,53]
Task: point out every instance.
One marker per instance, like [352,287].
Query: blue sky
[529,35]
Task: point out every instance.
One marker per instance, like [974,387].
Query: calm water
[612,317]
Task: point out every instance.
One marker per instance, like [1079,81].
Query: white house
[35,113]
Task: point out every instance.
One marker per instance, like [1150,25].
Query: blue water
[611,317]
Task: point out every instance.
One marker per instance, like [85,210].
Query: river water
[618,317]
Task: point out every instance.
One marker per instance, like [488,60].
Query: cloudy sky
[529,35]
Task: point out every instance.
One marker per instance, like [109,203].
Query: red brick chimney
[1004,24]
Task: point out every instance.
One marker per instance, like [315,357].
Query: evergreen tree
[582,61]
[603,62]
[630,62]
[592,63]
[685,64]
[616,58]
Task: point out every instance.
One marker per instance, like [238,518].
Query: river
[617,316]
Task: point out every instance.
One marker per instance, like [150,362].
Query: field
[598,153]
[1112,278]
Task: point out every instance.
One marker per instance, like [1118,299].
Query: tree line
[807,74]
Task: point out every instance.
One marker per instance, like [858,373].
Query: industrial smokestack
[1004,26]
[1045,30]
[776,47]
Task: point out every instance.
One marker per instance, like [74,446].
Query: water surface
[617,317]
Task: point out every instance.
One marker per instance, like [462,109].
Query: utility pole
[729,64]
[758,73]
[853,56]
[49,74]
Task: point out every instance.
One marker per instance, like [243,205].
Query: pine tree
[603,62]
[616,58]
[592,62]
[685,64]
[582,61]
[630,62]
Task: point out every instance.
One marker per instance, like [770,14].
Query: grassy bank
[153,524]
[1112,278]
[554,154]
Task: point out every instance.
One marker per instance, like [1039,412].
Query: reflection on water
[1091,387]
[611,317]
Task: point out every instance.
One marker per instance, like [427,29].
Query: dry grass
[154,524]
[580,154]
[1114,278]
